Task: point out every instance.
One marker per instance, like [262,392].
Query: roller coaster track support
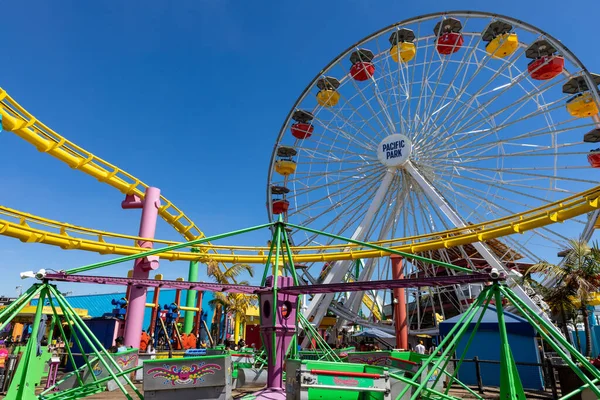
[141,266]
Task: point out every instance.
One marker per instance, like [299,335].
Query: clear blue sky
[188,96]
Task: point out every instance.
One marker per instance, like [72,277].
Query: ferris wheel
[430,124]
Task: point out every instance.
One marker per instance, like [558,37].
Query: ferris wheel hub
[394,151]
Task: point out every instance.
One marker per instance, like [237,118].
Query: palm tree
[225,303]
[234,303]
[577,278]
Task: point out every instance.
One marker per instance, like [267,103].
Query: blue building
[486,346]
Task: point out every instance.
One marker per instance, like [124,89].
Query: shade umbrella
[373,333]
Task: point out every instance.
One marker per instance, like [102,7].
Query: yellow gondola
[285,167]
[404,51]
[328,98]
[583,105]
[503,45]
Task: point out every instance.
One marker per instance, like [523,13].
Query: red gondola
[361,71]
[449,39]
[449,43]
[302,130]
[280,206]
[594,158]
[546,67]
[362,66]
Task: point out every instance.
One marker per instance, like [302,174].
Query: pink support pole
[142,266]
[400,321]
[277,332]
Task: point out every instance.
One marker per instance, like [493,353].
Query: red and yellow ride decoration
[403,47]
[285,164]
[302,127]
[328,96]
[449,36]
[546,63]
[362,64]
[501,42]
[280,204]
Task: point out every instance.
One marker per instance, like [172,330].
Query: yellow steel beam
[17,120]
[517,223]
[554,212]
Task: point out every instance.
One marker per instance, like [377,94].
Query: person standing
[420,348]
[144,340]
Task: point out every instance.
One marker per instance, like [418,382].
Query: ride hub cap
[394,150]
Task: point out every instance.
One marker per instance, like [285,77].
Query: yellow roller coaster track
[17,120]
[33,229]
[63,235]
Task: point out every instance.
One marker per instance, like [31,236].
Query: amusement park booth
[486,346]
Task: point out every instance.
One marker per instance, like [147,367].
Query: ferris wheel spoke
[426,73]
[356,212]
[338,113]
[366,102]
[391,86]
[303,191]
[356,192]
[463,165]
[502,185]
[476,144]
[530,174]
[473,142]
[318,161]
[377,94]
[463,68]
[475,96]
[468,123]
[317,181]
[465,122]
[477,201]
[459,115]
[482,195]
[353,212]
[327,206]
[352,215]
[527,153]
[316,148]
[409,87]
[339,132]
[321,174]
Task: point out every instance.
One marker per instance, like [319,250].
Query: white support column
[355,299]
[481,248]
[320,303]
